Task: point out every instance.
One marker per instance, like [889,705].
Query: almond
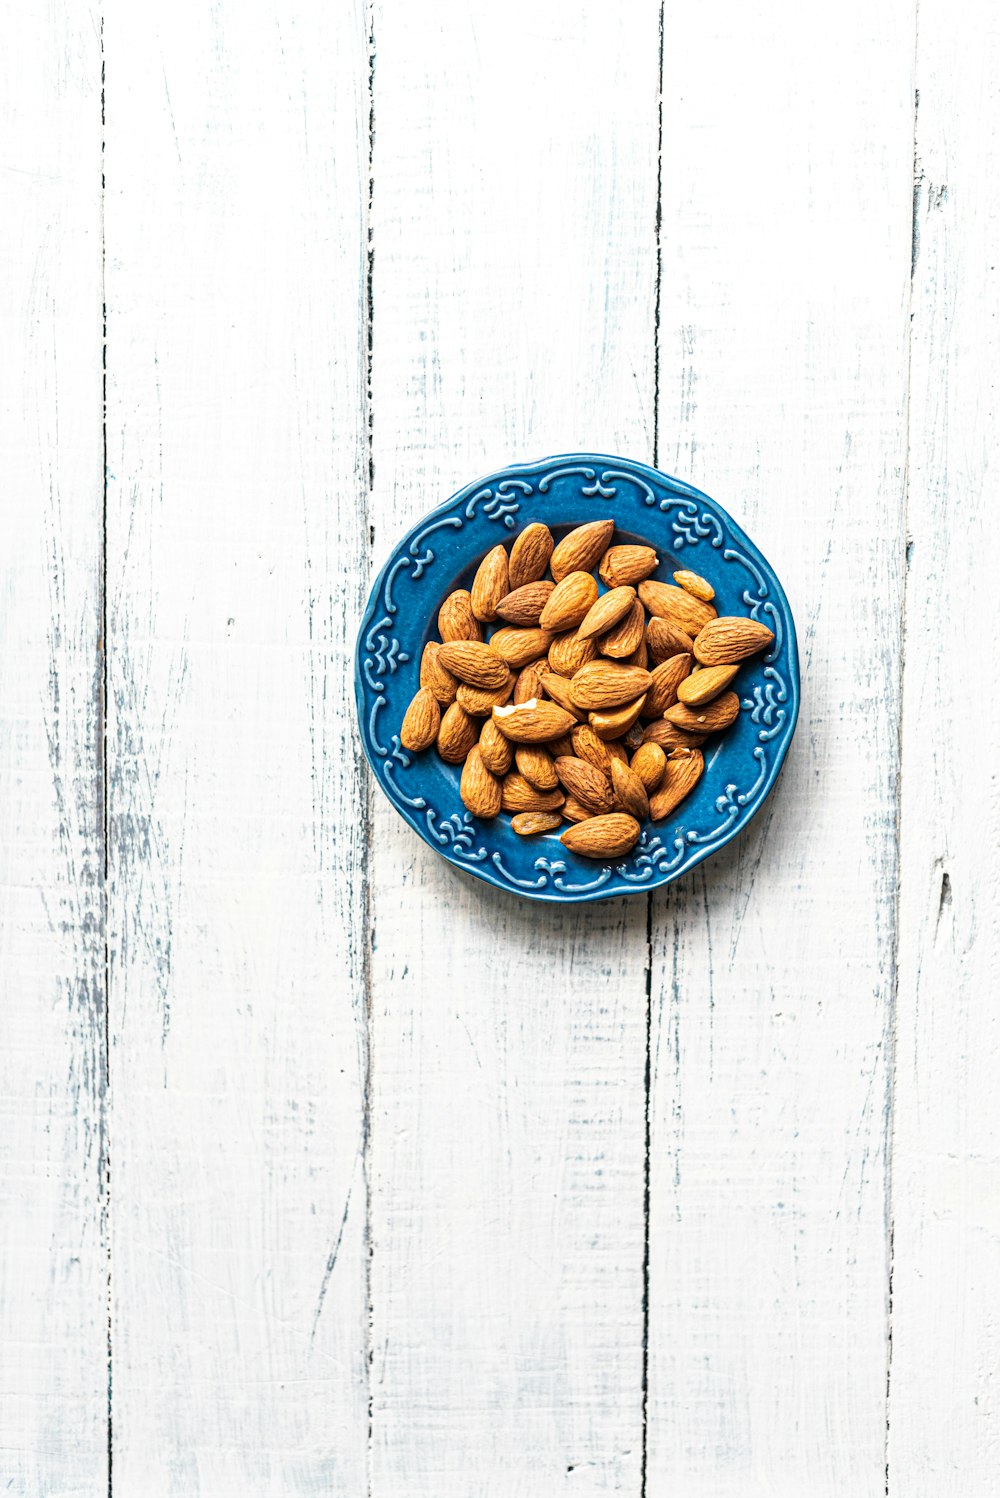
[532,722]
[639,656]
[456,621]
[586,745]
[529,681]
[705,684]
[682,772]
[519,647]
[630,793]
[525,604]
[628,636]
[530,823]
[616,750]
[479,702]
[667,677]
[562,745]
[723,641]
[497,751]
[474,663]
[709,718]
[435,676]
[627,564]
[649,763]
[490,584]
[479,790]
[456,735]
[536,765]
[602,684]
[669,736]
[603,615]
[680,608]
[569,601]
[568,653]
[581,549]
[633,738]
[558,688]
[664,640]
[421,722]
[575,811]
[602,837]
[518,794]
[585,784]
[613,722]
[695,585]
[529,555]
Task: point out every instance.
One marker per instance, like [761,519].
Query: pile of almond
[578,707]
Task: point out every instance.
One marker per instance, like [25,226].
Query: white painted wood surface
[358,1169]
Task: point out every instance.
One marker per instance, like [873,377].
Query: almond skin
[639,656]
[710,718]
[518,794]
[575,811]
[456,621]
[456,735]
[649,763]
[615,721]
[568,653]
[581,549]
[627,564]
[603,684]
[479,702]
[630,793]
[558,688]
[664,640]
[569,602]
[586,745]
[628,636]
[681,775]
[585,784]
[436,676]
[632,739]
[682,610]
[705,684]
[603,837]
[695,585]
[497,752]
[616,749]
[529,555]
[524,606]
[603,615]
[474,663]
[529,681]
[537,766]
[519,647]
[490,584]
[421,722]
[530,823]
[667,677]
[724,641]
[479,790]
[669,736]
[532,722]
[562,745]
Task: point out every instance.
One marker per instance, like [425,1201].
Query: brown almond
[529,681]
[695,585]
[586,745]
[575,811]
[669,736]
[421,722]
[723,641]
[616,749]
[568,653]
[628,636]
[496,750]
[639,656]
[436,676]
[478,788]
[518,794]
[711,717]
[474,663]
[524,606]
[585,783]
[630,793]
[581,549]
[649,763]
[456,621]
[667,677]
[479,702]
[680,776]
[627,564]
[613,722]
[558,688]
[569,602]
[490,584]
[532,722]
[608,611]
[664,640]
[681,609]
[562,745]
[603,837]
[602,684]
[529,555]
[519,647]
[456,735]
[705,684]
[531,823]
[536,765]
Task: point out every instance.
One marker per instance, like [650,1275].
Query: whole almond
[496,750]
[456,735]
[562,745]
[703,685]
[602,684]
[682,610]
[478,788]
[628,636]
[479,702]
[474,663]
[456,621]
[585,783]
[529,555]
[421,722]
[586,745]
[669,736]
[603,837]
[649,763]
[518,794]
[630,793]
[612,723]
[536,765]
[627,564]
[532,722]
[575,811]
[639,656]
[581,549]
[529,681]
[723,641]
[682,772]
[665,640]
[569,601]
[695,585]
[490,584]
[616,749]
[525,604]
[519,647]
[436,676]
[667,677]
[603,615]
[709,718]
[558,688]
[568,653]
[530,823]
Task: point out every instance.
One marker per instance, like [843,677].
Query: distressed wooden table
[327,1172]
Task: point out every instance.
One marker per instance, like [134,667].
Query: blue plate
[687,529]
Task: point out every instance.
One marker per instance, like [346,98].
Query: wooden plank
[944,1409]
[514,229]
[786,212]
[236,167]
[53,1343]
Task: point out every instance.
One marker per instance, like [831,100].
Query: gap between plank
[364,780]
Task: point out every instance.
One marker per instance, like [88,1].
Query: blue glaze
[687,529]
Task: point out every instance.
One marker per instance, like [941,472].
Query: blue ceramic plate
[687,529]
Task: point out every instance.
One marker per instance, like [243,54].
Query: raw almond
[421,722]
[568,653]
[616,750]
[536,765]
[558,688]
[529,555]
[682,610]
[530,823]
[664,640]
[456,621]
[630,793]
[490,584]
[478,788]
[585,784]
[602,837]
[723,641]
[628,636]
[586,745]
[497,751]
[525,604]
[575,811]
[562,745]
[615,721]
[667,677]
[532,722]
[709,718]
[639,656]
[518,794]
[669,736]
[682,772]
[519,647]
[479,702]
[603,615]
[695,585]
[569,601]
[581,549]
[627,564]
[603,684]
[456,735]
[529,681]
[436,676]
[649,763]
[705,684]
[474,663]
